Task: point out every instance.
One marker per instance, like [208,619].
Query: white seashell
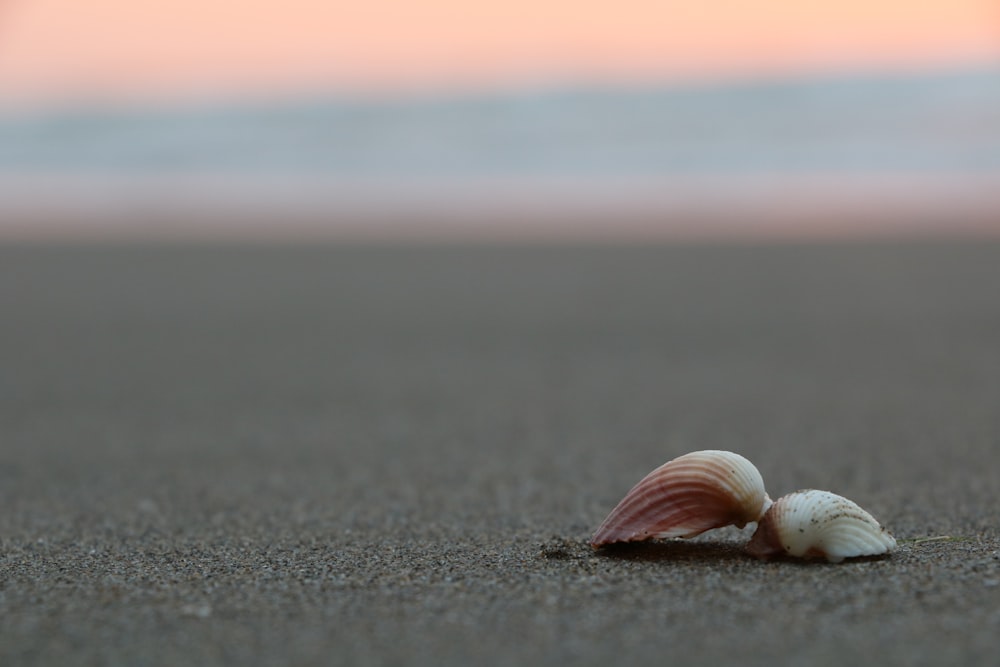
[687,496]
[818,524]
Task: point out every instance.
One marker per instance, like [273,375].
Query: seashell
[818,524]
[685,497]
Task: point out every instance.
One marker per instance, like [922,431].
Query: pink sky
[122,49]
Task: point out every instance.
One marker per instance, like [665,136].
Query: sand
[385,455]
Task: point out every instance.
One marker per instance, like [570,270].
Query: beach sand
[371,455]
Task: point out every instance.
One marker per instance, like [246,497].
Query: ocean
[573,145]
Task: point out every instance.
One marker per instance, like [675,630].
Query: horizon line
[16,105]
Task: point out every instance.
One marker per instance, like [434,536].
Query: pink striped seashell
[687,496]
[818,524]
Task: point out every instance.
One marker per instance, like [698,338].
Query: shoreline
[776,207]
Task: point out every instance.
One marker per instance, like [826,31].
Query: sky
[53,51]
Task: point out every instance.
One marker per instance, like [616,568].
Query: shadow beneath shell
[821,562]
[683,551]
[675,551]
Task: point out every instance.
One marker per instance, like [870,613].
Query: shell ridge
[686,496]
[810,522]
[859,536]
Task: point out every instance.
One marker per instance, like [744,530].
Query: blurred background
[492,119]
